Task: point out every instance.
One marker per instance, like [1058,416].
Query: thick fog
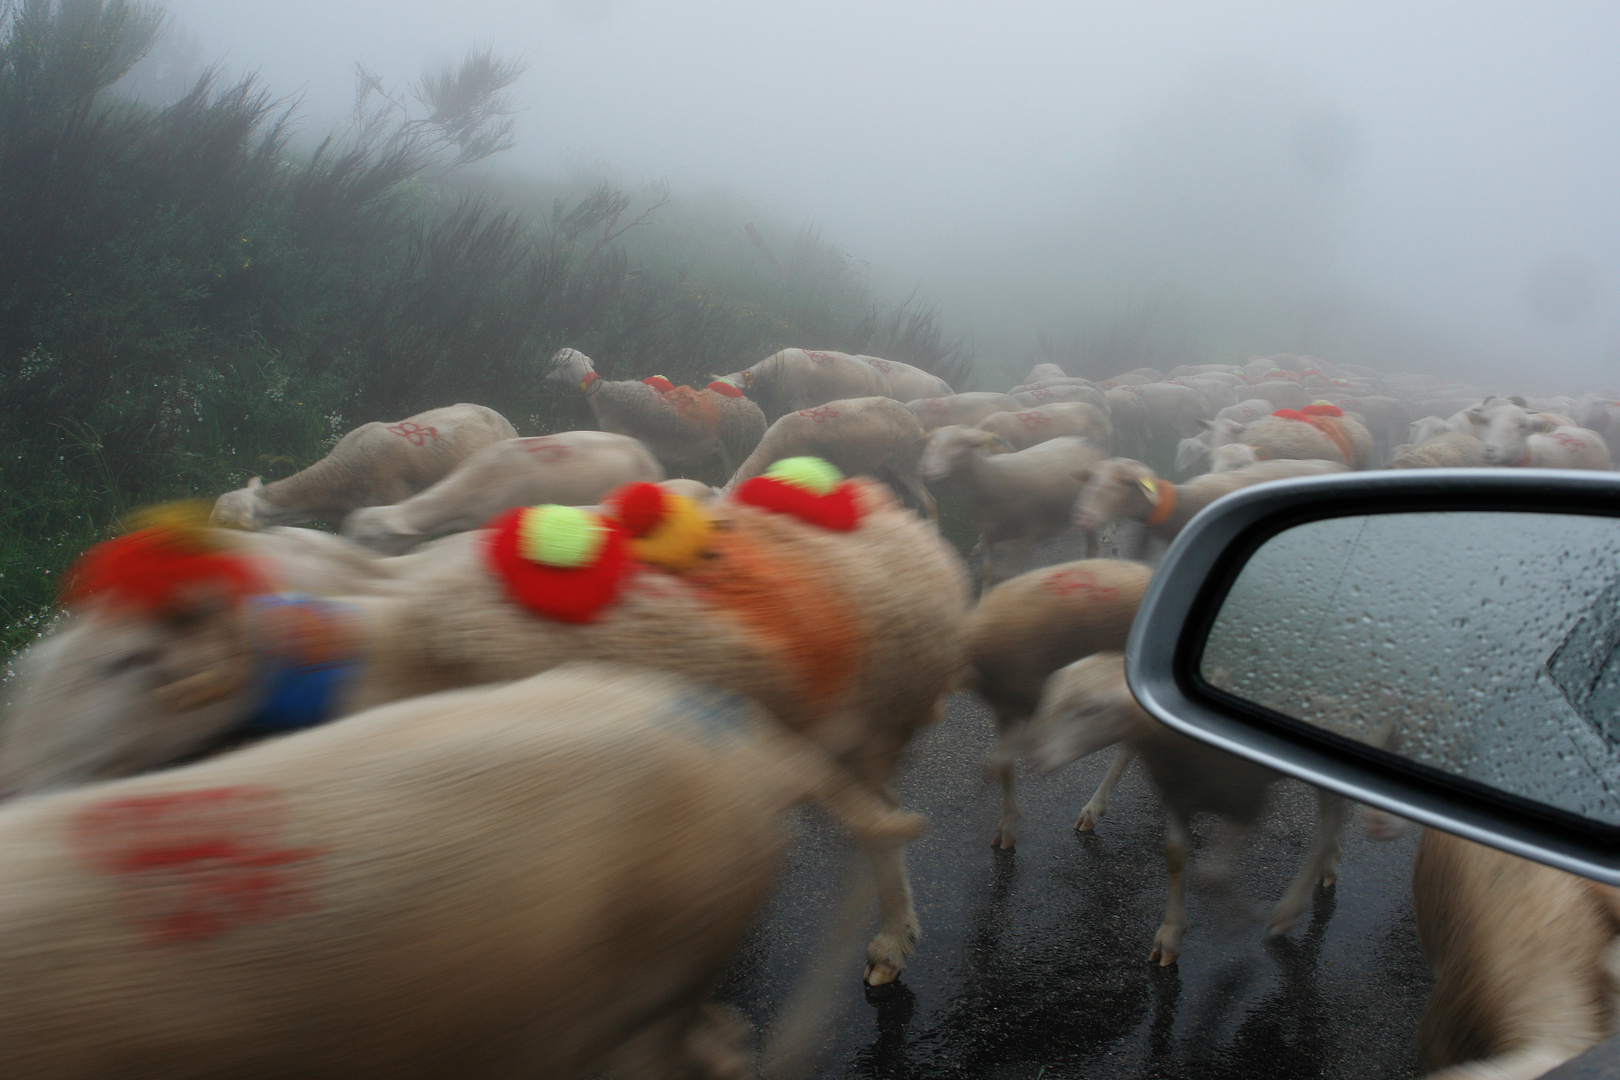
[1428,186]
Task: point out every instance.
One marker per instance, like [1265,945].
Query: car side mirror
[1440,644]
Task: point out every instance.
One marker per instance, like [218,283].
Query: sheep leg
[1093,811]
[898,931]
[1321,864]
[1167,942]
[1004,760]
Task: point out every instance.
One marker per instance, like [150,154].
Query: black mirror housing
[1201,574]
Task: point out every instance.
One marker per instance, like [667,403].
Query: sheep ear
[1201,422]
[255,483]
[1541,422]
[1474,418]
[1520,402]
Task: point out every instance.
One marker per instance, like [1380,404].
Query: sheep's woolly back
[882,604]
[1029,626]
[654,416]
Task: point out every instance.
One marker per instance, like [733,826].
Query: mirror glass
[1482,644]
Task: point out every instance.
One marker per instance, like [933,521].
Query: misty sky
[1390,182]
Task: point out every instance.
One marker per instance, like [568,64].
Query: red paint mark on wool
[881,365]
[1034,419]
[1073,582]
[820,357]
[1042,395]
[414,433]
[545,448]
[820,414]
[194,865]
[1572,444]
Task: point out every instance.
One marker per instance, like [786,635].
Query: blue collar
[310,658]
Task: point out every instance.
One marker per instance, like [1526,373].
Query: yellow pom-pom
[1321,401]
[561,536]
[816,475]
[186,520]
[682,535]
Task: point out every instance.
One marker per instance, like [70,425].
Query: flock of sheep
[537,835]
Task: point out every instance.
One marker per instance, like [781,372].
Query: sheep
[1048,384]
[1173,412]
[962,409]
[1421,431]
[1129,416]
[851,638]
[1029,626]
[523,880]
[1020,497]
[907,383]
[795,379]
[1124,490]
[373,465]
[1087,707]
[1231,457]
[1044,371]
[574,468]
[682,427]
[1387,419]
[1217,393]
[1512,436]
[1227,426]
[1056,393]
[1449,450]
[872,436]
[1025,429]
[1601,413]
[1139,377]
[1524,957]
[1281,393]
[1312,437]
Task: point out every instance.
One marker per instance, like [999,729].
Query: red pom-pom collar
[639,507]
[836,510]
[150,570]
[568,594]
[1322,410]
[724,388]
[1290,414]
[659,383]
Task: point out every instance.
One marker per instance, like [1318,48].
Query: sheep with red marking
[960,409]
[1026,628]
[1513,436]
[374,465]
[795,379]
[683,427]
[574,468]
[838,610]
[546,878]
[1027,427]
[873,436]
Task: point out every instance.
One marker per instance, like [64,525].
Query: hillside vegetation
[190,294]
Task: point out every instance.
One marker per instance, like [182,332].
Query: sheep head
[1085,707]
[1113,490]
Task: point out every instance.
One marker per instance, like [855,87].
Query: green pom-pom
[562,536]
[1321,401]
[816,475]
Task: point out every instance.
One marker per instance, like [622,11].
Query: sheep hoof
[881,974]
[1166,945]
[1282,920]
[1088,819]
[1004,839]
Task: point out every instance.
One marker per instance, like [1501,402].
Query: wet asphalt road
[1033,964]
